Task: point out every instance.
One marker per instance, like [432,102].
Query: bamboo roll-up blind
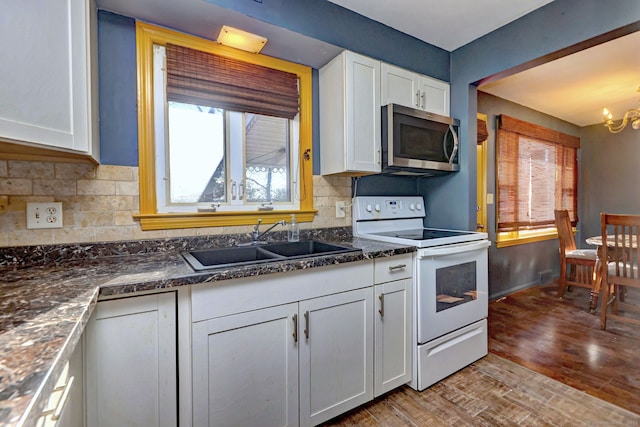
[203,78]
[536,172]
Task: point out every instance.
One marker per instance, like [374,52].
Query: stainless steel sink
[206,259]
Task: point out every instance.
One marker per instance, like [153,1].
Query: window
[536,173]
[212,136]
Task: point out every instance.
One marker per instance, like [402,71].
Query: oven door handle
[453,249]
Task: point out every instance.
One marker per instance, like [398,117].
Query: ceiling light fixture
[633,115]
[240,39]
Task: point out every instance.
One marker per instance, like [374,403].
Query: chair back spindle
[620,236]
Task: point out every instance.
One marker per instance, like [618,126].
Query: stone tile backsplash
[99,202]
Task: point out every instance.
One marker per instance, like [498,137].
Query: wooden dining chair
[620,237]
[576,265]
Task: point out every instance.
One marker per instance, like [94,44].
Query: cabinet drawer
[65,405]
[393,268]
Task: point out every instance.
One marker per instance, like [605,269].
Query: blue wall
[117,90]
[609,176]
[554,27]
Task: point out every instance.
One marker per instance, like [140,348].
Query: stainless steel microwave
[417,142]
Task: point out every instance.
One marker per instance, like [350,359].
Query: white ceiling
[574,88]
[448,24]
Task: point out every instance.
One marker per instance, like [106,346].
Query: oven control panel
[383,207]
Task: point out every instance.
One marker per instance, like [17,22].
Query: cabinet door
[434,96]
[132,363]
[363,114]
[336,354]
[245,369]
[349,102]
[400,86]
[392,335]
[45,86]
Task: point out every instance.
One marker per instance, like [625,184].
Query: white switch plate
[44,215]
[340,210]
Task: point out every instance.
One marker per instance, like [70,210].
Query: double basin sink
[206,259]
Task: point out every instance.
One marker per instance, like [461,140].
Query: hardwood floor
[549,364]
[560,339]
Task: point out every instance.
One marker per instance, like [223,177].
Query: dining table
[631,242]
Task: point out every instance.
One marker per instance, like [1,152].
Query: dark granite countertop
[47,295]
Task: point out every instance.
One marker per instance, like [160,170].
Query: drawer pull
[397,267]
[63,400]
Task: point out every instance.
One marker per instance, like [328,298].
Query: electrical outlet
[44,215]
[341,211]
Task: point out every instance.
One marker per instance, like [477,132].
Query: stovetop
[400,220]
[423,234]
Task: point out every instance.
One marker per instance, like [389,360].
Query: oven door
[451,287]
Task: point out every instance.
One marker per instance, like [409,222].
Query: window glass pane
[537,180]
[455,285]
[267,173]
[197,167]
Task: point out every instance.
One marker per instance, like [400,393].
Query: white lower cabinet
[131,362]
[336,355]
[393,320]
[257,368]
[246,369]
[302,362]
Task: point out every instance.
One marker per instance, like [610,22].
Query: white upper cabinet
[404,87]
[46,80]
[350,115]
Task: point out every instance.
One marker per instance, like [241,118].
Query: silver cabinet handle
[424,104]
[306,324]
[63,400]
[381,311]
[295,328]
[418,99]
[397,267]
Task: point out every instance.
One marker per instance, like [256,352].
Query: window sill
[163,221]
[506,242]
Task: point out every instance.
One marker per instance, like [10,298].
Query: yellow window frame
[513,238]
[146,36]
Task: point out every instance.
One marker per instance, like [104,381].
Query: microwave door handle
[455,145]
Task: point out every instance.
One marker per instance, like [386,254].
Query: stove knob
[368,208]
[411,206]
[377,208]
[419,206]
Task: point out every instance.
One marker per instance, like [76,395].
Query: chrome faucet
[256,234]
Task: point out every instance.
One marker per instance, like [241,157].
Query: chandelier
[633,115]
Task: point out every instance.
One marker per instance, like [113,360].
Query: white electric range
[450,285]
